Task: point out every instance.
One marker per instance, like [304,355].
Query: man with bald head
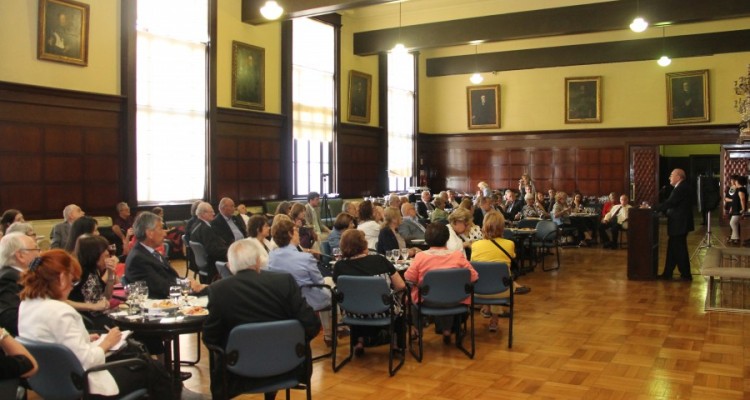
[60,232]
[679,210]
[228,226]
[17,251]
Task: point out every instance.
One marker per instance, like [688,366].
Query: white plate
[161,306]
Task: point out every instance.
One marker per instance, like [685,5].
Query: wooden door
[644,174]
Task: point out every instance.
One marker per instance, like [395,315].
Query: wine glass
[404,254]
[112,249]
[337,253]
[395,254]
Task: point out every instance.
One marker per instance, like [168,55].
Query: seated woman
[389,238]
[84,225]
[307,235]
[343,222]
[438,257]
[258,229]
[488,250]
[462,231]
[15,359]
[439,214]
[91,297]
[304,268]
[46,287]
[8,218]
[532,208]
[358,262]
[611,202]
[585,226]
[368,225]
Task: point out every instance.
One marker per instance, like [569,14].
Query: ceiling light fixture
[399,48]
[639,24]
[664,60]
[477,77]
[271,10]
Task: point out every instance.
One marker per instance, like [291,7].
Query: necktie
[158,256]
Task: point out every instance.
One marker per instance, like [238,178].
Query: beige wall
[18,33]
[349,61]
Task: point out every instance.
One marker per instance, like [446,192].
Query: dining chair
[189,258]
[264,350]
[366,301]
[546,238]
[527,223]
[442,293]
[224,272]
[495,279]
[201,259]
[623,233]
[62,377]
[330,309]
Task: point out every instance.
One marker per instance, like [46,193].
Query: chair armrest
[109,365]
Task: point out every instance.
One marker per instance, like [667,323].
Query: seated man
[203,233]
[16,253]
[615,220]
[410,228]
[252,295]
[60,232]
[512,205]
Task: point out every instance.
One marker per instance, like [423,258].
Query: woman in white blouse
[46,286]
[368,225]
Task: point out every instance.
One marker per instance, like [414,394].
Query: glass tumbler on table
[404,254]
[174,294]
[184,289]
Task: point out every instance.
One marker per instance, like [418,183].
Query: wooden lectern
[643,244]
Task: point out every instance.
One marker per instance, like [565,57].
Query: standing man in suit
[203,233]
[60,232]
[228,226]
[252,295]
[144,263]
[679,210]
[424,205]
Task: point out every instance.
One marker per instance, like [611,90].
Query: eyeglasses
[32,249]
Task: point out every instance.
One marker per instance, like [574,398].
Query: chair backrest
[363,294]
[544,228]
[263,349]
[9,388]
[325,248]
[224,271]
[493,277]
[60,375]
[201,257]
[528,223]
[446,286]
[508,234]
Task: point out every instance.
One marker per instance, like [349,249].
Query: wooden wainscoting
[59,147]
[360,167]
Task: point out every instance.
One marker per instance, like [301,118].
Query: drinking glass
[112,249]
[184,289]
[174,294]
[337,253]
[404,254]
[395,254]
[132,299]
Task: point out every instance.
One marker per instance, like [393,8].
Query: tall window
[313,64]
[401,90]
[171,99]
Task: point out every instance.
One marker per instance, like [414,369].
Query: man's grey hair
[9,245]
[246,254]
[121,205]
[22,227]
[202,207]
[143,222]
[528,196]
[69,209]
[224,201]
[393,198]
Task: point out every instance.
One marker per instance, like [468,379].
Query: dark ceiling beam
[301,8]
[615,15]
[675,47]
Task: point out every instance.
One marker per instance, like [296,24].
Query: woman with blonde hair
[494,248]
[389,238]
[463,231]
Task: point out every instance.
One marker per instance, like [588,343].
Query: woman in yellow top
[487,251]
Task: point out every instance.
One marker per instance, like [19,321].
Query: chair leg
[198,357]
[334,346]
[418,354]
[392,349]
[460,335]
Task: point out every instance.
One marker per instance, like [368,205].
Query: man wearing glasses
[17,250]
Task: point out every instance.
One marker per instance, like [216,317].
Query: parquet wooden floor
[584,332]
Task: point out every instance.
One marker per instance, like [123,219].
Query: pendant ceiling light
[664,60]
[477,77]
[271,10]
[639,24]
[399,48]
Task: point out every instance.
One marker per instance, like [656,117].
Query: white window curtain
[313,67]
[172,37]
[400,119]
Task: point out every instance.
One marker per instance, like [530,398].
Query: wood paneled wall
[59,147]
[359,165]
[594,162]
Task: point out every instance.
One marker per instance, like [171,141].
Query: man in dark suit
[16,253]
[484,206]
[679,210]
[144,263]
[424,205]
[410,228]
[228,226]
[252,295]
[203,233]
[512,205]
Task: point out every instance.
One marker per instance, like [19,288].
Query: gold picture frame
[483,111]
[360,93]
[248,76]
[687,97]
[63,32]
[583,100]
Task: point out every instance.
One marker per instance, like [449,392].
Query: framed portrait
[687,97]
[484,106]
[63,32]
[583,99]
[360,90]
[248,76]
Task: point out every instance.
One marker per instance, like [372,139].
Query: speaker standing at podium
[679,212]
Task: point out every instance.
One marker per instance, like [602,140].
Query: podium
[643,244]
